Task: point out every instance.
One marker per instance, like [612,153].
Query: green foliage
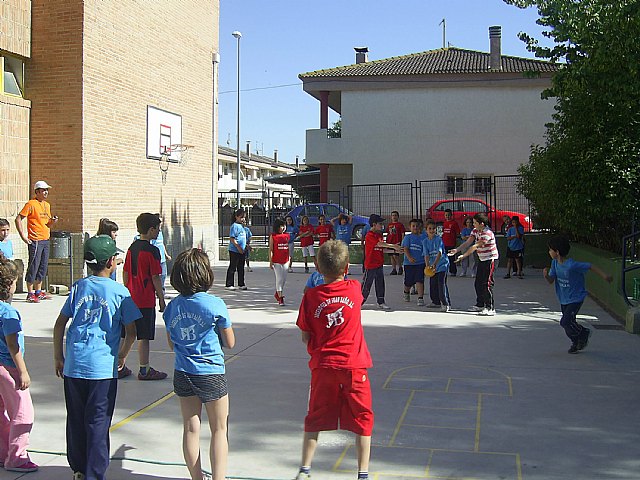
[335,131]
[585,181]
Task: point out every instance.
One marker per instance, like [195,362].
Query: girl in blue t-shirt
[198,326]
[292,230]
[342,227]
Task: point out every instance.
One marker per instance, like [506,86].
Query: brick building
[92,77]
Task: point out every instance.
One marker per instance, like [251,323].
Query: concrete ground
[456,396]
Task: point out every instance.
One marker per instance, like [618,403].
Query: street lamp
[238,36]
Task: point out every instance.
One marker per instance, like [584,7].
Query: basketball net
[181,154]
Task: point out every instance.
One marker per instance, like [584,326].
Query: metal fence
[382,199]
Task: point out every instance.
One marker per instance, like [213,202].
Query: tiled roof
[253,158]
[442,61]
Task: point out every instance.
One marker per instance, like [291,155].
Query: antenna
[444,32]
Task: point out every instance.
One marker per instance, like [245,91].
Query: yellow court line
[426,407]
[426,471]
[476,446]
[437,426]
[401,419]
[336,466]
[448,385]
[518,466]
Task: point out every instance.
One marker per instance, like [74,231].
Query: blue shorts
[413,273]
[38,261]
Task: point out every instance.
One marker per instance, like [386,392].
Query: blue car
[329,210]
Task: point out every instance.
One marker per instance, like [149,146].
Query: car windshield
[331,211]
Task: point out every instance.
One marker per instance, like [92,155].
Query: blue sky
[283,38]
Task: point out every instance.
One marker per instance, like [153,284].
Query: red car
[468,207]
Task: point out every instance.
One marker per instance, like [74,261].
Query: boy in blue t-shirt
[98,308]
[435,256]
[342,227]
[237,244]
[413,261]
[6,246]
[568,276]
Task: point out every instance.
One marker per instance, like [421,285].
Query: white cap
[41,184]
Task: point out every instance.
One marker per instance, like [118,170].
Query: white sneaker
[406,297]
[290,270]
[421,302]
[384,306]
[244,287]
[249,269]
[445,308]
[491,313]
[487,313]
[303,476]
[475,308]
[231,287]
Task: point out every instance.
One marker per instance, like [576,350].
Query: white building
[432,115]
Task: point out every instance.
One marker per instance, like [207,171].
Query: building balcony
[322,149]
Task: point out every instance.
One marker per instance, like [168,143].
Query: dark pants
[453,268]
[236,263]
[38,261]
[377,275]
[484,284]
[438,290]
[90,405]
[572,328]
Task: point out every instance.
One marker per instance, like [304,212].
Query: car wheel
[439,229]
[357,232]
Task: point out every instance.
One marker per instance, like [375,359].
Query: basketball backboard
[163,130]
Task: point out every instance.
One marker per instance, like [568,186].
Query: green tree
[335,131]
[585,180]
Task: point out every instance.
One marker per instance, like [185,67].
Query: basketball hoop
[164,167]
[179,152]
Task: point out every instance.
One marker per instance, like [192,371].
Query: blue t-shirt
[365,230]
[248,233]
[431,247]
[414,242]
[10,322]
[193,323]
[515,243]
[293,231]
[343,232]
[6,248]
[98,308]
[466,231]
[238,232]
[569,280]
[315,279]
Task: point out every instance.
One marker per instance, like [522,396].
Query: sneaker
[414,291]
[125,372]
[152,374]
[32,298]
[421,302]
[393,272]
[406,297]
[521,276]
[434,305]
[243,287]
[491,312]
[277,297]
[306,270]
[249,269]
[507,276]
[582,343]
[400,271]
[24,468]
[384,306]
[206,476]
[573,349]
[303,476]
[281,302]
[290,270]
[78,476]
[445,308]
[476,308]
[44,295]
[230,287]
[484,312]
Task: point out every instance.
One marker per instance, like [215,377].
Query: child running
[306,241]
[435,256]
[293,231]
[198,326]
[99,309]
[568,275]
[16,407]
[413,262]
[279,257]
[340,392]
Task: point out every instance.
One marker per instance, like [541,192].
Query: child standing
[237,244]
[293,231]
[247,250]
[471,259]
[142,276]
[568,275]
[99,309]
[6,246]
[435,256]
[450,232]
[16,407]
[374,260]
[107,227]
[340,392]
[324,230]
[164,256]
[515,246]
[306,241]
[395,234]
[198,326]
[342,228]
[413,262]
[279,257]
[483,241]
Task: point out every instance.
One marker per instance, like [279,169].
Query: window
[331,211]
[445,205]
[481,185]
[12,80]
[226,169]
[473,206]
[313,211]
[455,184]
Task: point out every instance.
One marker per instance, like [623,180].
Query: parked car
[329,210]
[468,207]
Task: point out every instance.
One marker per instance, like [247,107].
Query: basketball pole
[238,36]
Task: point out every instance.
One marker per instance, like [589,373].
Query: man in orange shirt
[37,211]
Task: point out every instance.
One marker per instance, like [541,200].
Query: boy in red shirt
[395,234]
[450,233]
[340,393]
[374,260]
[324,230]
[141,275]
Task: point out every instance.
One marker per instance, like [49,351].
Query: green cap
[100,248]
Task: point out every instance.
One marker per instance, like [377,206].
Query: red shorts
[339,399]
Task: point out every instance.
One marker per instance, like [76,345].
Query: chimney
[495,48]
[249,148]
[362,54]
[275,156]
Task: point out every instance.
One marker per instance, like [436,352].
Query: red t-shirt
[280,245]
[450,232]
[141,264]
[324,233]
[306,241]
[331,314]
[395,232]
[373,256]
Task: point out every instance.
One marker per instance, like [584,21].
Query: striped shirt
[489,250]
